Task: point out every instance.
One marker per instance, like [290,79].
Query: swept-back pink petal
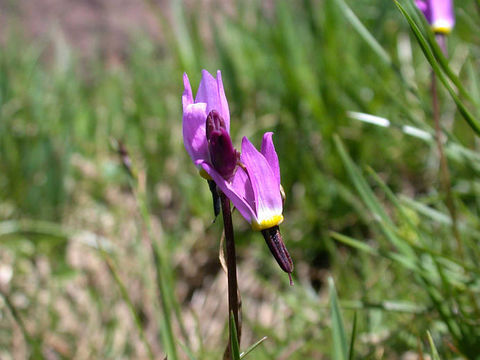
[224,110]
[211,92]
[194,138]
[268,151]
[268,201]
[243,187]
[187,97]
[422,5]
[237,199]
[208,89]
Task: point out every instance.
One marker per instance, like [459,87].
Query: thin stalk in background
[164,286]
[127,299]
[444,172]
[34,346]
[233,307]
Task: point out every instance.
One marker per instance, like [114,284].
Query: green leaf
[340,346]
[429,54]
[234,339]
[363,32]
[354,243]
[252,347]
[351,351]
[383,219]
[435,355]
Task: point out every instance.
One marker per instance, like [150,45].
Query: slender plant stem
[128,300]
[231,264]
[444,172]
[16,316]
[162,275]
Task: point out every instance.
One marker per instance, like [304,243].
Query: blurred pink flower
[439,14]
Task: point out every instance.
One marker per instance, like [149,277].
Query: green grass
[109,265]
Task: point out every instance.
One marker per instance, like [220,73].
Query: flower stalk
[233,303]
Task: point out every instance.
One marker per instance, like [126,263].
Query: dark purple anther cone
[274,240]
[222,153]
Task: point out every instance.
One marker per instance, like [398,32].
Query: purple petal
[194,137]
[268,201]
[442,15]
[211,92]
[236,198]
[187,97]
[268,151]
[422,5]
[243,187]
[224,110]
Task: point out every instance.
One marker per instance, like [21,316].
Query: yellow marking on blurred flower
[442,26]
[442,30]
[268,223]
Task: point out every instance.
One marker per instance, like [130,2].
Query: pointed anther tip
[290,278]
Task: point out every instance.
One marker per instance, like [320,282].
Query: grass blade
[427,50]
[363,32]
[435,355]
[340,347]
[235,347]
[351,351]
[252,347]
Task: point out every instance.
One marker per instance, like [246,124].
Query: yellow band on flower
[204,174]
[268,223]
[445,30]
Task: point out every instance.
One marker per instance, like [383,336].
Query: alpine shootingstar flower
[250,180]
[439,14]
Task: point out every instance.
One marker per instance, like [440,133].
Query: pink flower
[210,96]
[439,14]
[251,180]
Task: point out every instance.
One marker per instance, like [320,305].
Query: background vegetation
[365,204]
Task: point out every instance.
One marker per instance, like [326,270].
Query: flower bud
[223,156]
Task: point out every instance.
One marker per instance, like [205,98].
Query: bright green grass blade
[351,351]
[427,50]
[406,261]
[363,32]
[369,198]
[340,346]
[235,347]
[435,355]
[474,81]
[354,243]
[443,62]
[252,347]
[183,39]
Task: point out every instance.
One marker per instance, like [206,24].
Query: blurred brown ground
[91,26]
